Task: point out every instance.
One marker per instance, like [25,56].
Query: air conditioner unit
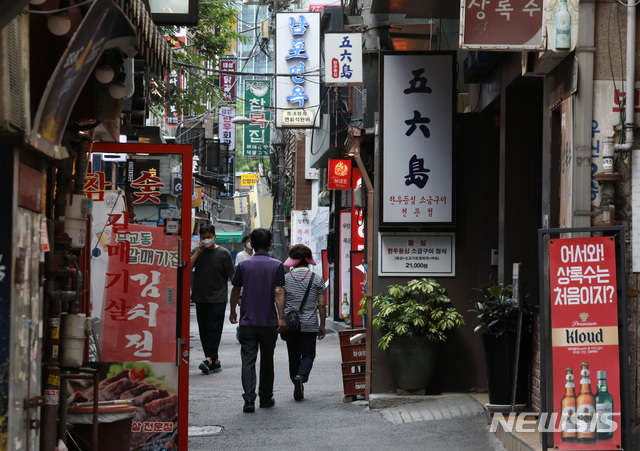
[14,76]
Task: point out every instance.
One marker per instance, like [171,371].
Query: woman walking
[305,293]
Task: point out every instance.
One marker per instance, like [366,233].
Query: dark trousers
[210,321]
[302,353]
[252,339]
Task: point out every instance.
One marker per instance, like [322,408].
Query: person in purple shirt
[260,279]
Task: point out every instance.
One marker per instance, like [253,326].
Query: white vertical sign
[342,59]
[417,137]
[345,256]
[298,57]
[227,131]
[301,228]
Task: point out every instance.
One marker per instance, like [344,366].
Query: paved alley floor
[322,420]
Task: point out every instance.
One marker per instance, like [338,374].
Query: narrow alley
[322,420]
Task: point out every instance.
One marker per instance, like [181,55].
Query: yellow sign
[196,198]
[249,179]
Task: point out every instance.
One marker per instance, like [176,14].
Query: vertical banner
[345,264]
[417,137]
[358,284]
[257,103]
[357,220]
[227,129]
[343,59]
[298,54]
[301,228]
[584,340]
[227,80]
[229,177]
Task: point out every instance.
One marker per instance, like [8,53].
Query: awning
[229,237]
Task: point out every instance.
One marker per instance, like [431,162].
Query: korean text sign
[417,111]
[493,25]
[257,103]
[140,295]
[228,81]
[343,59]
[298,68]
[419,254]
[584,330]
[339,174]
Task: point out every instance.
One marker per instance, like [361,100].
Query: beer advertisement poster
[584,339]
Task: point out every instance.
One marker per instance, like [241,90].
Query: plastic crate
[353,368]
[346,334]
[353,353]
[354,384]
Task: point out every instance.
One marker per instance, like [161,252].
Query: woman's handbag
[293,317]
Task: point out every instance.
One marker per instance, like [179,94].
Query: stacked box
[353,362]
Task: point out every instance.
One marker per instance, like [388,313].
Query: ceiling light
[59,24]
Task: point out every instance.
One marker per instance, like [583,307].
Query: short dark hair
[206,228]
[245,239]
[302,252]
[261,239]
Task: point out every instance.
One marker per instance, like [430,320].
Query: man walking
[260,279]
[246,252]
[213,267]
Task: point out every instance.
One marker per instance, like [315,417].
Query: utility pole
[279,246]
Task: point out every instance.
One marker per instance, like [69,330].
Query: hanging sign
[343,59]
[584,340]
[228,81]
[339,174]
[257,103]
[298,55]
[417,137]
[227,129]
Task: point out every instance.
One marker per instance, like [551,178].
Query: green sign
[257,103]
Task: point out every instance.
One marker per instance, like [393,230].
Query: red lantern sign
[339,174]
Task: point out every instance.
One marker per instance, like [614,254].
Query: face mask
[248,246]
[208,242]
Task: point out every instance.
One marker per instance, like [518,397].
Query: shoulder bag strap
[306,293]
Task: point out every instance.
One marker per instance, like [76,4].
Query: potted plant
[413,319]
[497,315]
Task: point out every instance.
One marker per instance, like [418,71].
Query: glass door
[139,285]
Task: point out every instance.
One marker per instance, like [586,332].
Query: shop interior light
[59,24]
[104,74]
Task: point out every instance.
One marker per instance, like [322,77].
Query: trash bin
[114,427]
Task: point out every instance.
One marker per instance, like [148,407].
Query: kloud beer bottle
[563,27]
[568,409]
[604,408]
[585,408]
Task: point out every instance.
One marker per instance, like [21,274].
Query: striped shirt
[295,285]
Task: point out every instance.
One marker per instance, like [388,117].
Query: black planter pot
[413,361]
[500,355]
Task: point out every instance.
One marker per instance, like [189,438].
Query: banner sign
[339,174]
[229,178]
[419,254]
[139,313]
[343,59]
[417,137]
[358,285]
[357,220]
[228,81]
[345,264]
[501,25]
[257,103]
[298,54]
[584,340]
[249,179]
[227,129]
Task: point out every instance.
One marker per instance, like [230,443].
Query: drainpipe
[629,127]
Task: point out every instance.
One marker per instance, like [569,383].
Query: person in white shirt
[247,252]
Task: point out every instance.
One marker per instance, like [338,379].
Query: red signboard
[228,80]
[584,339]
[502,24]
[339,174]
[358,283]
[139,318]
[357,220]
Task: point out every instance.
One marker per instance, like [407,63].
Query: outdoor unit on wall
[14,76]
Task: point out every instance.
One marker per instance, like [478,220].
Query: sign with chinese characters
[227,129]
[228,81]
[501,25]
[140,299]
[298,55]
[584,339]
[417,137]
[342,59]
[257,103]
[416,254]
[339,174]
